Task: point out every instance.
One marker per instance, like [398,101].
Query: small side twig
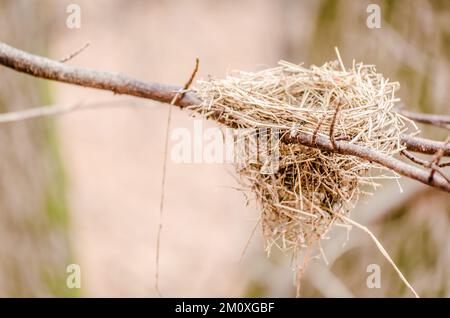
[414,159]
[442,121]
[72,55]
[444,164]
[434,163]
[180,95]
[333,122]
[316,130]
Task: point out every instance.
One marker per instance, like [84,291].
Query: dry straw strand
[178,96]
[383,251]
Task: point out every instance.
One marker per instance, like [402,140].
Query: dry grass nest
[310,189]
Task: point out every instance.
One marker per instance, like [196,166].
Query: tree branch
[442,121]
[425,146]
[345,148]
[122,84]
[119,84]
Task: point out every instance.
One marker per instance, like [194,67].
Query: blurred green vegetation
[34,216]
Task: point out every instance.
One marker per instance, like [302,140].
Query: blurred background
[84,188]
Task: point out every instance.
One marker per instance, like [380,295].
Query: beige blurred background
[84,188]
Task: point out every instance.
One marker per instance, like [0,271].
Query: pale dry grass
[309,189]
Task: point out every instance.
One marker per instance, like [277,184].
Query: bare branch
[55,110]
[333,122]
[117,83]
[433,164]
[425,146]
[37,112]
[345,148]
[442,121]
[316,130]
[122,84]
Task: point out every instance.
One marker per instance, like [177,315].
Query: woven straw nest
[309,189]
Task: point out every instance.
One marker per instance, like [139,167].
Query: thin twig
[191,79]
[442,174]
[435,166]
[434,163]
[247,243]
[333,122]
[55,110]
[301,269]
[38,112]
[442,121]
[72,55]
[316,130]
[425,146]
[414,159]
[177,96]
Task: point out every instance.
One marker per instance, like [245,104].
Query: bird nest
[307,189]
